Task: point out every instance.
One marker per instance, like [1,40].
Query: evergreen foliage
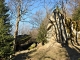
[76,17]
[5,28]
[76,14]
[42,34]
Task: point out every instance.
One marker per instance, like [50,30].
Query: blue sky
[38,5]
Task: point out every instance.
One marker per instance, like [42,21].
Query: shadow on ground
[51,53]
[23,56]
[73,52]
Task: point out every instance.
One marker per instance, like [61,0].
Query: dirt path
[50,51]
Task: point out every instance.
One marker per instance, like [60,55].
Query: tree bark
[17,25]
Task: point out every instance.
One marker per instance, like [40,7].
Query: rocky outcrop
[56,27]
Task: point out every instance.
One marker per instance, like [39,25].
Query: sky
[36,6]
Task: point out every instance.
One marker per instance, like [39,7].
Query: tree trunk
[17,25]
[76,32]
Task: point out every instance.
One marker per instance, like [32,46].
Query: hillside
[50,51]
[57,29]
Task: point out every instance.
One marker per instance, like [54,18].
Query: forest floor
[50,51]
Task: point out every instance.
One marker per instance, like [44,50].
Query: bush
[42,34]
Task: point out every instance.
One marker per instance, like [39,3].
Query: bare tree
[37,19]
[39,22]
[18,9]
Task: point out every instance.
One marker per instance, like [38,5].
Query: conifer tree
[5,27]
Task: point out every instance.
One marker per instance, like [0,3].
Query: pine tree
[5,27]
[42,33]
